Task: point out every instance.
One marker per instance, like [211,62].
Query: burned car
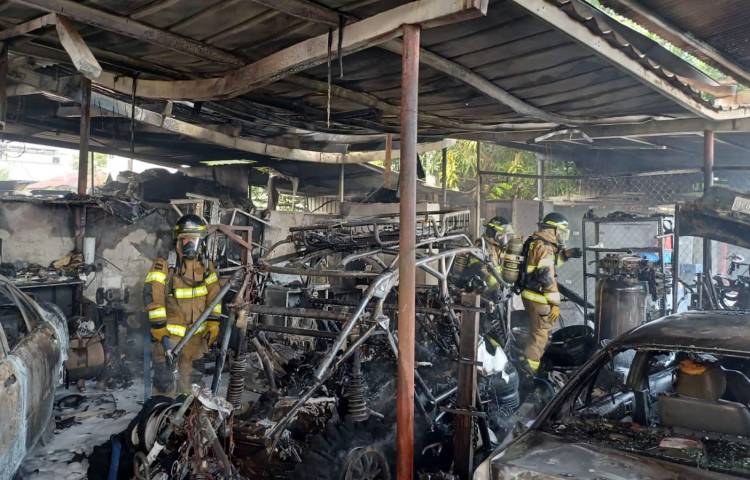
[666,400]
[33,345]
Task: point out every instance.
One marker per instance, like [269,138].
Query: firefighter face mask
[563,234]
[189,245]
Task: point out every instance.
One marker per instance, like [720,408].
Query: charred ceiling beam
[306,54]
[67,88]
[79,52]
[645,72]
[301,56]
[133,29]
[680,37]
[303,9]
[28,27]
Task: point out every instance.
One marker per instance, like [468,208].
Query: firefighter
[176,291]
[470,273]
[544,252]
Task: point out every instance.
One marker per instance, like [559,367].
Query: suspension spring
[237,381]
[355,392]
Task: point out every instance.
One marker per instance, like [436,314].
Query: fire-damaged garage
[374,239]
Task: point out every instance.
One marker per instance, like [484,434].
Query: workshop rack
[379,230]
[656,219]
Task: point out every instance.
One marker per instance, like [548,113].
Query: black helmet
[190,224]
[559,223]
[188,233]
[497,228]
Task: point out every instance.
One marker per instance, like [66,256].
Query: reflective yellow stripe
[553,297]
[534,364]
[176,330]
[217,309]
[530,268]
[157,313]
[159,277]
[181,330]
[212,278]
[199,291]
[534,297]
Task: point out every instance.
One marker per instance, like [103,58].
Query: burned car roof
[725,332]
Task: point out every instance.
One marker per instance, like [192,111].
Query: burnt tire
[349,451]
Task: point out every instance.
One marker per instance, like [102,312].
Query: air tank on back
[620,296]
[512,260]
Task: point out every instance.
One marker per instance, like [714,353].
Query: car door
[12,399]
[38,352]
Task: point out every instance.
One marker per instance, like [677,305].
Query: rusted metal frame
[27,27]
[274,433]
[407,253]
[467,391]
[676,35]
[579,32]
[307,54]
[306,332]
[708,181]
[300,270]
[298,312]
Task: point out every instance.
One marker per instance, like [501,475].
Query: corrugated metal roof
[723,24]
[516,51]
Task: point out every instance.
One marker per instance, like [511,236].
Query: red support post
[407,254]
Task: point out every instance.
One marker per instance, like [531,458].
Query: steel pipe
[407,249]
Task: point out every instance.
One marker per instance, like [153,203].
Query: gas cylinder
[512,260]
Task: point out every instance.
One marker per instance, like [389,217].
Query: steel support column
[478,196]
[463,440]
[444,178]
[708,181]
[3,84]
[388,164]
[341,184]
[407,254]
[540,185]
[83,147]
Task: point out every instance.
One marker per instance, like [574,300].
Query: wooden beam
[66,88]
[304,55]
[28,27]
[578,31]
[680,37]
[83,147]
[133,29]
[79,53]
[303,9]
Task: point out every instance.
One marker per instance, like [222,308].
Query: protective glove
[157,333]
[554,313]
[572,253]
[212,326]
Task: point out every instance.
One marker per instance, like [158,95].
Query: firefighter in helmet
[470,273]
[541,298]
[176,291]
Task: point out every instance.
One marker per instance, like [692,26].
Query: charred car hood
[539,455]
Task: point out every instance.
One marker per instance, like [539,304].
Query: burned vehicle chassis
[369,318]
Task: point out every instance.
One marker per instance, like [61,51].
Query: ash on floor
[83,420]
